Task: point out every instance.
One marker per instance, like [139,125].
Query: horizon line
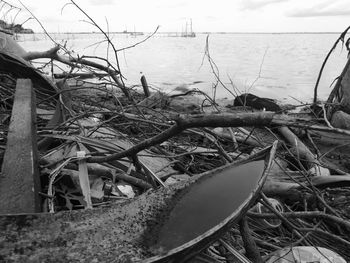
[201,32]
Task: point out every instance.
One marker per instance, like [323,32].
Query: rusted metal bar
[19,180]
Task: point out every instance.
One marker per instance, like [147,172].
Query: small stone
[341,120]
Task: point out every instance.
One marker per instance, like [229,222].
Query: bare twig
[341,38]
[140,42]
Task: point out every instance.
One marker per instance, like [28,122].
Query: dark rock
[248,99]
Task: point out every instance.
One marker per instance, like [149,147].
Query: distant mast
[189,33]
[134,34]
[191,27]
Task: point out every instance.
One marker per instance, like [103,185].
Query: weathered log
[19,181]
[301,149]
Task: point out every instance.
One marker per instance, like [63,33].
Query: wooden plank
[19,180]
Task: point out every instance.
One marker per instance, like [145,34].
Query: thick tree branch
[242,119]
[186,122]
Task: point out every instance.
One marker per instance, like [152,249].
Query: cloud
[211,18]
[101,2]
[314,13]
[258,4]
[326,8]
[172,4]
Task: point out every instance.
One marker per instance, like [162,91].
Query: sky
[171,15]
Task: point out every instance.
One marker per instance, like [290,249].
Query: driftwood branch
[252,251]
[73,61]
[341,38]
[256,119]
[69,60]
[183,123]
[305,215]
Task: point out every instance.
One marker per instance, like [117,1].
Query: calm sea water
[279,66]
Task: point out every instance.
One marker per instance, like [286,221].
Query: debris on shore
[103,162]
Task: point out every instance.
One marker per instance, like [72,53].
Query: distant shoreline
[205,33]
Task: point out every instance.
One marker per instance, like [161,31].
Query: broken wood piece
[20,181]
[152,174]
[84,178]
[145,86]
[286,191]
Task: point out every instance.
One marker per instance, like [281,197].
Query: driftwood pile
[100,142]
